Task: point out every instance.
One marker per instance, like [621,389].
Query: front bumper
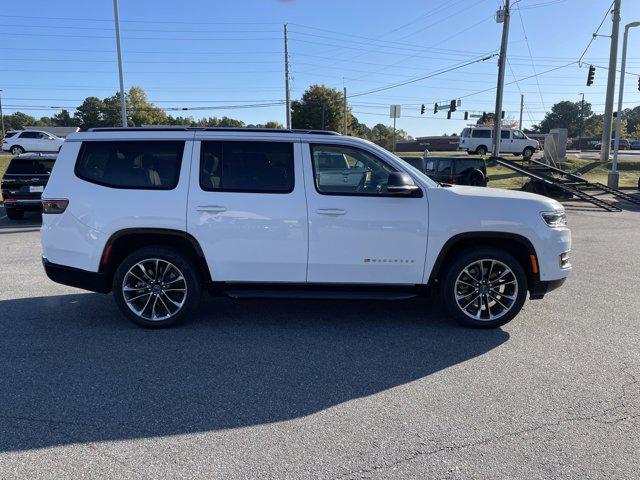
[75,277]
[538,289]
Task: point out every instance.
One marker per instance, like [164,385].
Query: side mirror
[401,183]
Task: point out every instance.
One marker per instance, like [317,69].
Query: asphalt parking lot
[325,389]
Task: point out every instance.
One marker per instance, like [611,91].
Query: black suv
[24,182]
[457,170]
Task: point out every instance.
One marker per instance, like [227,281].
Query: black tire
[14,213]
[475,178]
[466,259]
[481,150]
[191,282]
[16,150]
[527,153]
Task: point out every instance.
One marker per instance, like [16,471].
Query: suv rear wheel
[484,288]
[156,287]
[16,150]
[481,150]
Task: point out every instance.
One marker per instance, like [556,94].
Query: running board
[320,294]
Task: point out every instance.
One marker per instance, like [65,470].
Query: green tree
[64,119]
[383,135]
[566,114]
[140,111]
[90,113]
[308,111]
[17,121]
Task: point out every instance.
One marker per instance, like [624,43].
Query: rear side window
[257,167]
[504,134]
[9,134]
[131,164]
[481,134]
[30,167]
[30,135]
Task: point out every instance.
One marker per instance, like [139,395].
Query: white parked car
[156,215]
[21,141]
[478,140]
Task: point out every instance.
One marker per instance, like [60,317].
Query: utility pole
[286,77]
[502,62]
[521,110]
[581,132]
[1,115]
[614,176]
[344,113]
[605,149]
[123,102]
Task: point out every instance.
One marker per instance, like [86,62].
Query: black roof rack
[214,129]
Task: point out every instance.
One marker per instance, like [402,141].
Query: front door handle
[331,211]
[211,208]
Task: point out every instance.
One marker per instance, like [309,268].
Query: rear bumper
[540,288]
[26,204]
[75,277]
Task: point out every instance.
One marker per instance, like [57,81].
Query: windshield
[30,167]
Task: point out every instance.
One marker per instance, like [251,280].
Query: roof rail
[215,129]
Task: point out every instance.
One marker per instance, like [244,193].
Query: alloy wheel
[154,289]
[486,290]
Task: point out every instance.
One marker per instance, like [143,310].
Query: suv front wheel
[484,288]
[156,287]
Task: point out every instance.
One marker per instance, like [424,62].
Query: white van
[478,140]
[156,215]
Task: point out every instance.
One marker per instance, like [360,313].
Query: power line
[413,80]
[593,37]
[173,22]
[524,31]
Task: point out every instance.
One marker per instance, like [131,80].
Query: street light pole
[605,148]
[614,176]
[123,103]
[502,63]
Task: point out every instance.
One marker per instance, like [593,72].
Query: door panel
[506,142]
[248,236]
[366,237]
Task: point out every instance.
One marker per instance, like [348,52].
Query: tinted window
[30,167]
[444,166]
[504,134]
[30,135]
[133,164]
[10,134]
[481,133]
[465,132]
[259,167]
[361,173]
[462,166]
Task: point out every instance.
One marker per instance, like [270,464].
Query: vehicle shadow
[30,222]
[73,370]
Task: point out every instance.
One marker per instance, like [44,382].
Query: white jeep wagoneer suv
[155,215]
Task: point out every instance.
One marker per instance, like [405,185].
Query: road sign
[394,111]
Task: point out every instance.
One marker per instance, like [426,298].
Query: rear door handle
[330,211]
[211,208]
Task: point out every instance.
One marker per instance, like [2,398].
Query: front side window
[444,166]
[484,133]
[463,166]
[253,167]
[131,164]
[518,135]
[339,169]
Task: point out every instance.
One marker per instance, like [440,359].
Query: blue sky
[197,53]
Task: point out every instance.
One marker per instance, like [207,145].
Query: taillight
[57,205]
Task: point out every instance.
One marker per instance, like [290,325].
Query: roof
[216,129]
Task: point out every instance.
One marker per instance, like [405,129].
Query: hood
[503,194]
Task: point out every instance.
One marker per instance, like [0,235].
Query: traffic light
[435,108]
[484,117]
[615,114]
[422,109]
[639,84]
[591,74]
[466,115]
[502,115]
[449,115]
[452,106]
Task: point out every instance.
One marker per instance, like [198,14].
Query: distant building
[61,132]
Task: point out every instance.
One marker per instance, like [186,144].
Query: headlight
[555,219]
